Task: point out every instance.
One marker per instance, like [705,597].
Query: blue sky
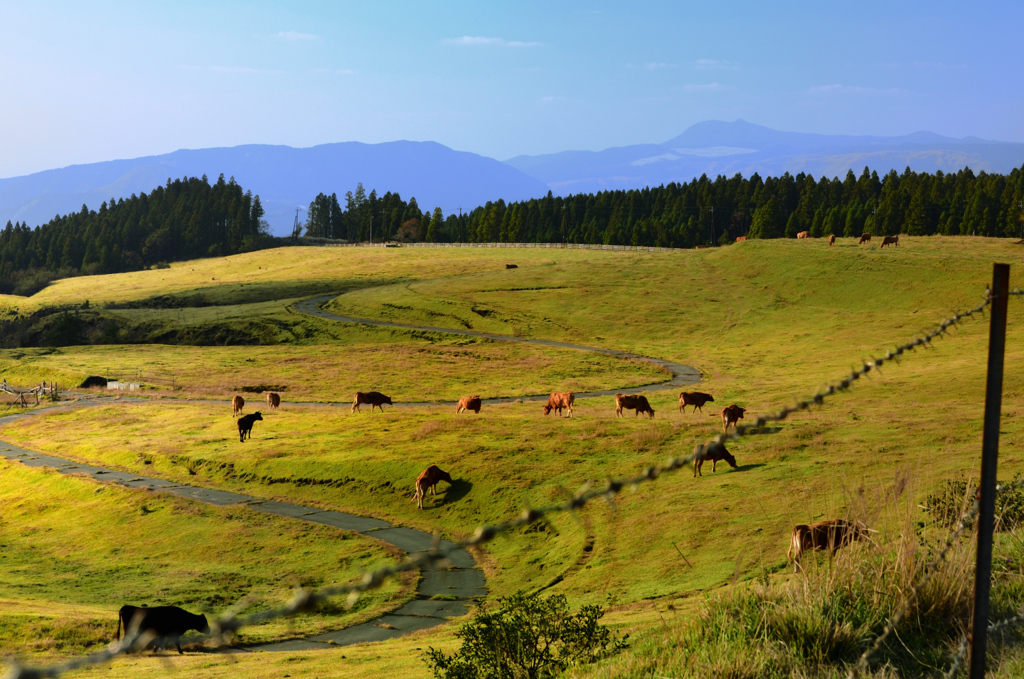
[84,82]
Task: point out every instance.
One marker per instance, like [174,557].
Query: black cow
[166,622]
[245,425]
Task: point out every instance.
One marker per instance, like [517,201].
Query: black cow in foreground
[166,622]
[245,425]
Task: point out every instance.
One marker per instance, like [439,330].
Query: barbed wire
[229,623]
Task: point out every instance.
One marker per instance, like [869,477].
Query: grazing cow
[273,400]
[713,453]
[804,234]
[559,400]
[697,399]
[633,402]
[891,240]
[832,239]
[237,403]
[374,398]
[731,415]
[740,238]
[511,266]
[830,535]
[166,622]
[864,238]
[245,425]
[428,479]
[468,403]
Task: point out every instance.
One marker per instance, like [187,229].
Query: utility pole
[371,228]
[461,234]
[712,226]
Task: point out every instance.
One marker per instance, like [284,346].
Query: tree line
[701,212]
[185,219]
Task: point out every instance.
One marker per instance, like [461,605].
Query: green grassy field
[74,551]
[765,322]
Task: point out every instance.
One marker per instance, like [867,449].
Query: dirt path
[459,585]
[682,375]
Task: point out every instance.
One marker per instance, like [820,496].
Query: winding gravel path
[682,375]
[459,585]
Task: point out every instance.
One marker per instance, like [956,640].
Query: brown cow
[891,240]
[237,403]
[374,398]
[697,399]
[633,402]
[428,479]
[864,238]
[273,400]
[832,239]
[715,453]
[831,535]
[511,266]
[731,415]
[740,238]
[804,234]
[559,400]
[469,403]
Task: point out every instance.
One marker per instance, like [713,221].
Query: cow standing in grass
[245,425]
[164,622]
[428,480]
[831,535]
[273,400]
[865,238]
[237,403]
[731,415]
[374,398]
[697,399]
[559,401]
[891,240]
[633,402]
[468,403]
[713,453]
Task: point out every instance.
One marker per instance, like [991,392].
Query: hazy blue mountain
[283,177]
[716,147]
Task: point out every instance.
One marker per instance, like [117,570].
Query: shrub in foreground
[526,638]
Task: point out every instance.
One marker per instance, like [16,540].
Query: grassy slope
[73,551]
[765,321]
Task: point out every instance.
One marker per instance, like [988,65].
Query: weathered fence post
[989,461]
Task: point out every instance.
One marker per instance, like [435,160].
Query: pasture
[764,322]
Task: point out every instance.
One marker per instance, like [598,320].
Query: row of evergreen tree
[702,211]
[185,219]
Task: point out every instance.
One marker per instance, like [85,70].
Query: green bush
[947,504]
[526,638]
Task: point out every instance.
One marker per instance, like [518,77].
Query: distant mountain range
[286,178]
[716,147]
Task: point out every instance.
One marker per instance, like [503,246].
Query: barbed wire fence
[224,627]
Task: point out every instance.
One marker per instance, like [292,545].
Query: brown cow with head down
[374,398]
[697,399]
[633,402]
[832,239]
[469,403]
[740,238]
[731,415]
[559,400]
[830,535]
[428,479]
[237,403]
[804,234]
[273,400]
[864,238]
[891,240]
[713,453]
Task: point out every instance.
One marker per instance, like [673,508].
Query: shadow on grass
[748,467]
[762,430]
[456,491]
